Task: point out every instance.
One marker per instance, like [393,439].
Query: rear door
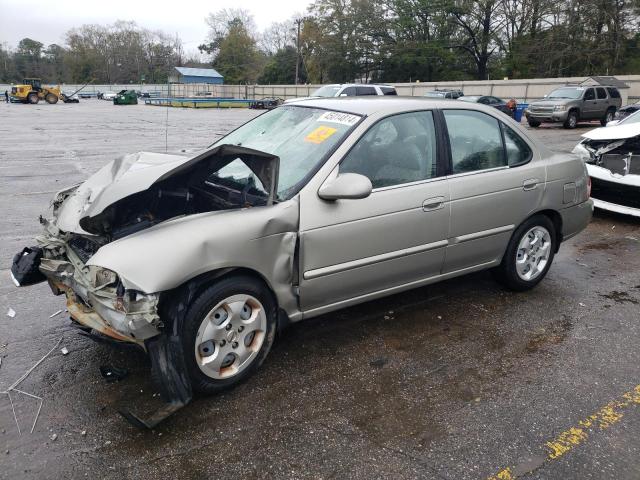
[602,102]
[396,236]
[493,184]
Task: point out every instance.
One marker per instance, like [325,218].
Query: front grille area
[621,164]
[541,109]
[84,247]
[611,192]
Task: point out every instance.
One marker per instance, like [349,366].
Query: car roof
[369,105]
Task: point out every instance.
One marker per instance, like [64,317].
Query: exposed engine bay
[621,157]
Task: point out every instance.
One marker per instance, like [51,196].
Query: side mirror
[346,186]
[612,123]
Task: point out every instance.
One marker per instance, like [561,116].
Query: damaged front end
[612,157]
[132,194]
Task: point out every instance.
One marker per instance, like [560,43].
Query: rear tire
[572,120]
[33,98]
[609,116]
[228,332]
[51,98]
[529,254]
[533,123]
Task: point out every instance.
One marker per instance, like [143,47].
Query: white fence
[525,90]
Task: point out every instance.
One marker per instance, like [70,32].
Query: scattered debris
[582,304]
[54,437]
[12,388]
[64,350]
[613,227]
[83,433]
[583,264]
[629,237]
[11,313]
[56,313]
[113,374]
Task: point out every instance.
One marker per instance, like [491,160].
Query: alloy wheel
[533,253]
[230,336]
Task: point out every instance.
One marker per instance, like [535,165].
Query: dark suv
[570,104]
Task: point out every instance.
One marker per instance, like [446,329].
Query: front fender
[171,253]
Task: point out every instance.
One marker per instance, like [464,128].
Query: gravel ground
[459,380]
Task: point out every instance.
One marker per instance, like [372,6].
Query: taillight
[588,188]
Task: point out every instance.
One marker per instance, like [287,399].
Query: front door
[493,185]
[353,249]
[589,105]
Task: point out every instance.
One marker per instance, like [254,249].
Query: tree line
[359,40]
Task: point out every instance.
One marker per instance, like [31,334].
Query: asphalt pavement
[458,380]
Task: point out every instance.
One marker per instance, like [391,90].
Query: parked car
[612,156]
[126,97]
[444,93]
[571,104]
[86,95]
[624,112]
[108,95]
[70,97]
[267,103]
[489,100]
[302,211]
[348,90]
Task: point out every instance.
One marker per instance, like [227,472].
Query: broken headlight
[585,155]
[101,277]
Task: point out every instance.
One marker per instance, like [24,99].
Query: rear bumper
[576,218]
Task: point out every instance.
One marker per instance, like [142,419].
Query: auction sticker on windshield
[339,117]
[320,134]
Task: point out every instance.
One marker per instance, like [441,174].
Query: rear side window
[601,93]
[349,92]
[613,92]
[360,91]
[388,91]
[396,150]
[589,94]
[518,152]
[475,139]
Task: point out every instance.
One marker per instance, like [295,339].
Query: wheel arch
[555,218]
[174,303]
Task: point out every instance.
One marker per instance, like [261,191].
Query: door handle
[431,204]
[530,184]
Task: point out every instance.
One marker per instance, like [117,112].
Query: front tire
[529,254]
[51,98]
[533,123]
[33,98]
[228,332]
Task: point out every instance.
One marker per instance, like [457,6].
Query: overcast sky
[47,22]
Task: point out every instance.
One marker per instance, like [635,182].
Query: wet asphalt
[459,380]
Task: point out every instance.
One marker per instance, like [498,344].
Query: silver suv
[568,105]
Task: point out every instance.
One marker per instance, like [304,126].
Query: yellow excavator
[32,91]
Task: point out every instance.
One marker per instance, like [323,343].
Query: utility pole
[298,23]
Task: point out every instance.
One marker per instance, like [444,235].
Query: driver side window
[396,150]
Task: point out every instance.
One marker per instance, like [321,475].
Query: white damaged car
[612,156]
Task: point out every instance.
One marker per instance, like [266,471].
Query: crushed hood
[615,132]
[134,173]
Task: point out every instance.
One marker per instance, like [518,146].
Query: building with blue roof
[196,75]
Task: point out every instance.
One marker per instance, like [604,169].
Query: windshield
[633,118]
[300,136]
[326,91]
[566,93]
